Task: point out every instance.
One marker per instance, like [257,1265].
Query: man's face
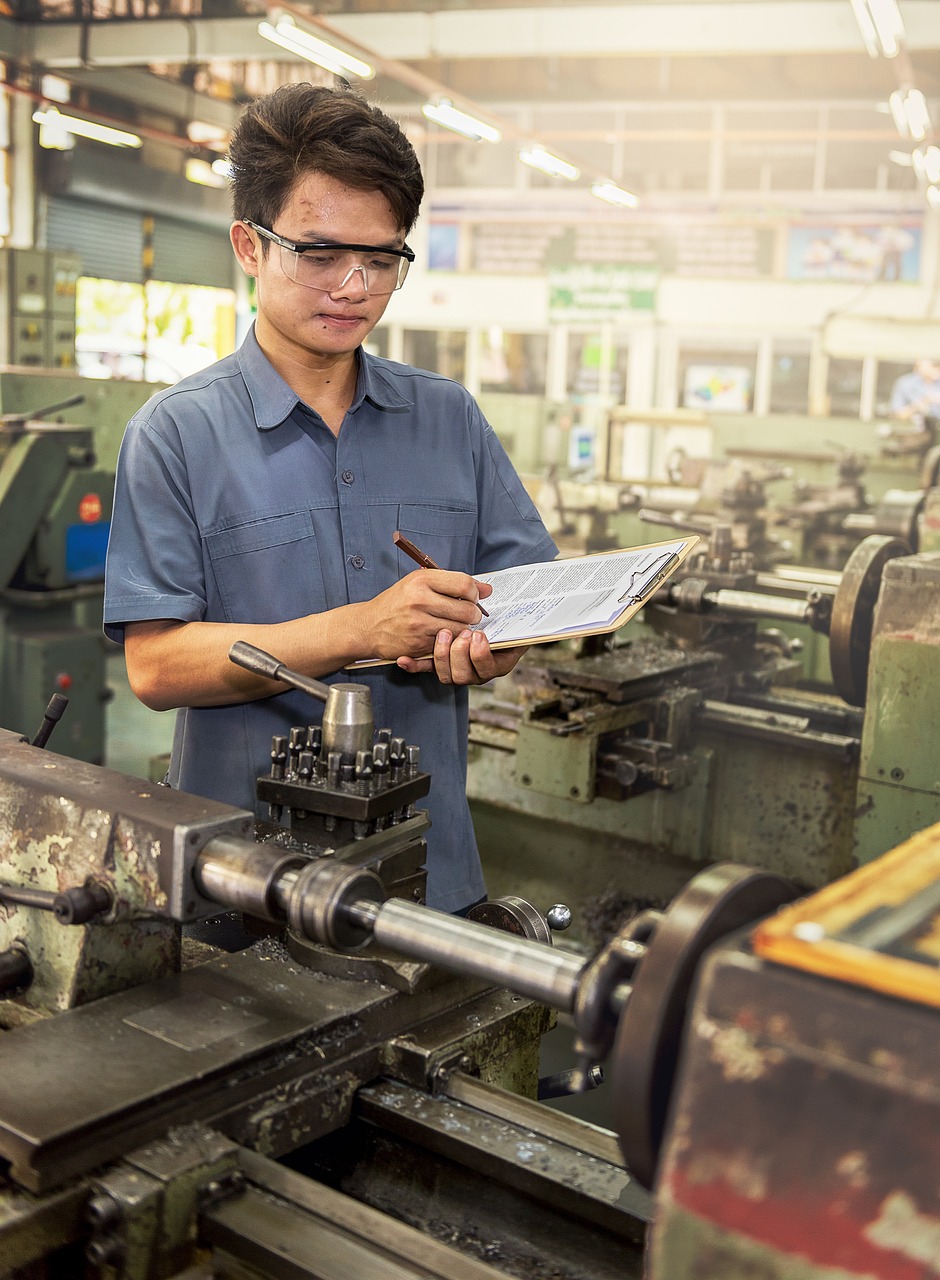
[319,321]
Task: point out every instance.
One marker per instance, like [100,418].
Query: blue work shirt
[234,502]
[913,387]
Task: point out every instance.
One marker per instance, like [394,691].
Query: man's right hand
[403,621]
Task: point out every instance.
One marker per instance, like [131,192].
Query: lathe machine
[346,1097]
[614,772]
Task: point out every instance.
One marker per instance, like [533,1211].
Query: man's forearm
[186,664]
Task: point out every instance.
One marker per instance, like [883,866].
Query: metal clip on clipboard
[660,574]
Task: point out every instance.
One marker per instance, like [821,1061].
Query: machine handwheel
[512,915]
[715,903]
[853,612]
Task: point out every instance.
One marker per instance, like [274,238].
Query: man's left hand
[464,658]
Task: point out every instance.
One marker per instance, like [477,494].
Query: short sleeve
[154,564]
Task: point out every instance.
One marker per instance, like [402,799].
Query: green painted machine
[688,739]
[56,485]
[55,511]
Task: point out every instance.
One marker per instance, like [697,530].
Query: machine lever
[77,905]
[13,420]
[51,717]
[261,663]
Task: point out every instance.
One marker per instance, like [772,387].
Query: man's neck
[326,383]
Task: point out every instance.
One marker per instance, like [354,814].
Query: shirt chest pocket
[267,570]
[447,536]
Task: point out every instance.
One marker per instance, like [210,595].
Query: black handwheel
[853,613]
[719,900]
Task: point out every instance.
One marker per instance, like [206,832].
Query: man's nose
[349,284]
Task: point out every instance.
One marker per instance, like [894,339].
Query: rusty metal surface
[804,1136]
[141,838]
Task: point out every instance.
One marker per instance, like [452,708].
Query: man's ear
[247,248]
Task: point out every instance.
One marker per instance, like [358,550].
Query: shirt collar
[273,401]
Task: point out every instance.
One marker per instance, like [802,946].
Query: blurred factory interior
[685,254]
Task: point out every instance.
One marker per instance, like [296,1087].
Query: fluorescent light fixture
[56,120]
[903,158]
[910,114]
[286,33]
[554,166]
[932,165]
[55,89]
[206,135]
[918,117]
[223,168]
[203,174]
[613,194]
[919,161]
[443,112]
[881,26]
[933,197]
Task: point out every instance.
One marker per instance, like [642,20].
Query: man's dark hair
[300,128]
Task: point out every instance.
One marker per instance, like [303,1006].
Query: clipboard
[567,599]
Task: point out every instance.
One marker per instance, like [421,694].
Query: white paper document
[587,595]
[559,597]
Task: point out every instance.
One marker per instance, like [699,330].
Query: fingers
[464,659]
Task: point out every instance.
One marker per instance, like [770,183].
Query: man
[257,500]
[915,396]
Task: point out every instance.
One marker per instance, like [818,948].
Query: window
[156,332]
[789,381]
[844,387]
[514,362]
[440,350]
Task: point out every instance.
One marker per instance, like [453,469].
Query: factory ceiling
[713,99]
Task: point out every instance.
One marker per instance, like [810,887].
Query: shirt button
[348,477]
[357,562]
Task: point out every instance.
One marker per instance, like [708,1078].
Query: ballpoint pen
[420,557]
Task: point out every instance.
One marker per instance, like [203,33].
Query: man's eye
[382,263]
[320,259]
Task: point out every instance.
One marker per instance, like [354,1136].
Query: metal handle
[261,663]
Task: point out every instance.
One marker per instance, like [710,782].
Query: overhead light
[933,197]
[443,112]
[286,33]
[223,168]
[554,166]
[613,194]
[207,135]
[55,89]
[881,26]
[903,158]
[203,173]
[932,165]
[58,122]
[910,114]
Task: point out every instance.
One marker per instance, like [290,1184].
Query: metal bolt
[558,917]
[102,1211]
[105,1251]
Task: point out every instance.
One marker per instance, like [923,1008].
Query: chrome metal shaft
[531,969]
[752,603]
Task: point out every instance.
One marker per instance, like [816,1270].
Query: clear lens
[322,269]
